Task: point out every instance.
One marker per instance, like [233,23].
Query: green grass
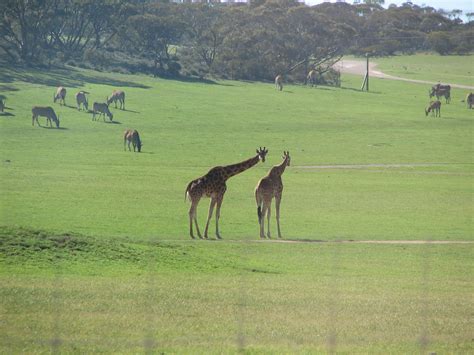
[95,253]
[74,293]
[80,179]
[445,69]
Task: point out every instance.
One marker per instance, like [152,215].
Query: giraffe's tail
[186,193]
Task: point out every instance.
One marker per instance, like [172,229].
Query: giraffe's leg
[262,220]
[277,207]
[192,211]
[197,226]
[209,216]
[218,214]
[269,212]
[193,217]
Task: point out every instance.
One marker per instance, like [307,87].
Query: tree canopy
[253,41]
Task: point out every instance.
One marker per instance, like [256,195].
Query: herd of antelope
[434,107]
[98,109]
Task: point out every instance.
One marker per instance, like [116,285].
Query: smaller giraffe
[213,185]
[279,82]
[268,187]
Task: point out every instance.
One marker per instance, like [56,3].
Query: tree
[204,34]
[440,42]
[152,35]
[24,28]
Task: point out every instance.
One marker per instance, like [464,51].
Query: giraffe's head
[286,156]
[262,153]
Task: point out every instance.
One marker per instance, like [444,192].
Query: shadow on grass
[8,87]
[7,114]
[185,79]
[59,128]
[68,77]
[74,78]
[131,111]
[112,122]
[359,90]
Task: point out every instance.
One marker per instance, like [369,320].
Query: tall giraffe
[213,185]
[268,187]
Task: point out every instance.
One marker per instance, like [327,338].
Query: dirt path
[396,242]
[317,241]
[368,166]
[359,68]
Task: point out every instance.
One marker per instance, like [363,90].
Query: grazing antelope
[268,187]
[311,77]
[81,98]
[60,95]
[132,136]
[47,112]
[435,108]
[439,90]
[470,100]
[213,185]
[101,109]
[117,95]
[279,82]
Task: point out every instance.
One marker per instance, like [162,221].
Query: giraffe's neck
[234,169]
[278,170]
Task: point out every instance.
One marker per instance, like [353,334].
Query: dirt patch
[360,67]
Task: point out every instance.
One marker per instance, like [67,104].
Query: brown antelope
[47,112]
[81,98]
[311,77]
[439,90]
[132,136]
[279,82]
[60,95]
[470,100]
[435,108]
[213,185]
[101,109]
[268,187]
[117,95]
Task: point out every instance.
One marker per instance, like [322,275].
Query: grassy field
[94,247]
[444,69]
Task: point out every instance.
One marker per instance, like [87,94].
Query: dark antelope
[439,90]
[470,100]
[117,95]
[60,95]
[81,99]
[267,188]
[101,109]
[47,112]
[213,185]
[311,77]
[132,136]
[435,108]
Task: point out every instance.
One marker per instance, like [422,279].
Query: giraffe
[213,185]
[268,187]
[279,82]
